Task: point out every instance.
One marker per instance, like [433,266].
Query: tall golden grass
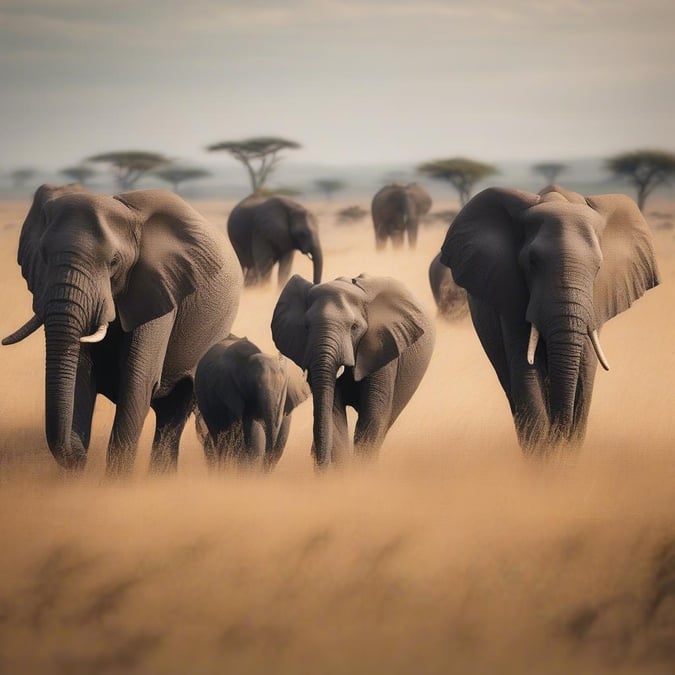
[450,554]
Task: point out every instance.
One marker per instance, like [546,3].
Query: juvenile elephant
[449,297]
[396,210]
[366,343]
[268,230]
[543,273]
[245,399]
[132,290]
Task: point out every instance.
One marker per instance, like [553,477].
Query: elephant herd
[138,293]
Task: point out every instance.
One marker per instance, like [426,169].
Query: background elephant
[396,210]
[543,273]
[268,230]
[366,343]
[450,298]
[245,399]
[132,290]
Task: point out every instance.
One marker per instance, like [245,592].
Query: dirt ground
[450,554]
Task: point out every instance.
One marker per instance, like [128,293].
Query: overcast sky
[354,81]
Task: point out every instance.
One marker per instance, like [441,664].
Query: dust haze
[449,554]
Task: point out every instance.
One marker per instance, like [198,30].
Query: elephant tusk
[97,336]
[27,329]
[532,346]
[595,341]
[310,256]
[340,370]
[305,374]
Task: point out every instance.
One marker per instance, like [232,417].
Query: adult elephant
[268,230]
[365,343]
[450,298]
[396,210]
[132,290]
[245,399]
[543,273]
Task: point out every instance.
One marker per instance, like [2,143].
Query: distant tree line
[644,170]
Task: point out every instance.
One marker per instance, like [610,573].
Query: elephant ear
[628,267]
[289,331]
[34,227]
[482,245]
[395,322]
[297,390]
[177,253]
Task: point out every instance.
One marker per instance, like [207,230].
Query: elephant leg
[254,440]
[412,233]
[271,458]
[140,374]
[375,405]
[285,264]
[397,239]
[171,412]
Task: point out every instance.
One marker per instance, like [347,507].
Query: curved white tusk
[27,329]
[310,256]
[340,370]
[305,372]
[97,336]
[532,346]
[595,341]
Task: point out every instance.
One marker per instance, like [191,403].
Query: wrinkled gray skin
[245,399]
[164,282]
[268,230]
[377,331]
[396,210]
[563,263]
[450,298]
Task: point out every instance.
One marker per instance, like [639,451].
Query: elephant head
[347,328]
[285,225]
[552,267]
[90,259]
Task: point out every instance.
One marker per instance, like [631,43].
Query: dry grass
[450,554]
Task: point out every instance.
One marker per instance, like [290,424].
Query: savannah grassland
[450,554]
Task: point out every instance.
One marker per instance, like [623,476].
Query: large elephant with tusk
[131,290]
[543,273]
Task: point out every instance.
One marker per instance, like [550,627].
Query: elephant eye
[114,261]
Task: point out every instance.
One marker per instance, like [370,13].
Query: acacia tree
[462,173]
[175,175]
[80,174]
[260,155]
[549,170]
[130,165]
[328,186]
[645,169]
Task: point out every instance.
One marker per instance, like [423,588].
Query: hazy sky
[354,81]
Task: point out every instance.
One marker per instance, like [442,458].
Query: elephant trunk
[322,383]
[272,409]
[69,312]
[564,352]
[317,262]
[63,351]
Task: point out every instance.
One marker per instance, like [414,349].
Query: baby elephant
[245,399]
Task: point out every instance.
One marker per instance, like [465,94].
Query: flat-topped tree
[175,175]
[130,165]
[461,172]
[645,169]
[80,174]
[260,155]
[549,170]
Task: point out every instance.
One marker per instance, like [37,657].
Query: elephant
[365,342]
[450,298]
[245,399]
[396,209]
[268,230]
[131,289]
[543,273]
